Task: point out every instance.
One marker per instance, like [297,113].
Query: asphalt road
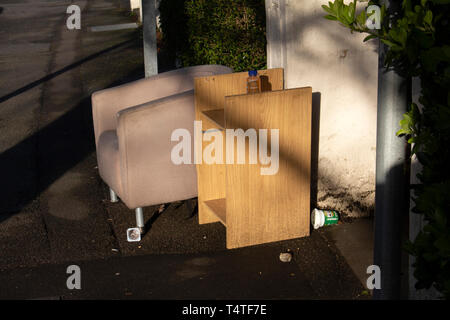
[54,210]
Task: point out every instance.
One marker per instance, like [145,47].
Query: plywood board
[217,116]
[210,95]
[210,180]
[218,208]
[266,208]
[210,92]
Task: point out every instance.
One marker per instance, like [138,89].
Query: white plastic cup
[320,218]
[133,235]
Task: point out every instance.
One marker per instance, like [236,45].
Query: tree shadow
[391,224]
[315,133]
[149,223]
[57,148]
[63,70]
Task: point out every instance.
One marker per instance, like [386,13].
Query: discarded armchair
[133,124]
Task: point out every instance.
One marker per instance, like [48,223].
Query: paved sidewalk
[51,208]
[242,274]
[54,209]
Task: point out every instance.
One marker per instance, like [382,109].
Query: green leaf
[408,122]
[362,18]
[330,17]
[428,19]
[399,35]
[346,16]
[328,9]
[392,45]
[369,37]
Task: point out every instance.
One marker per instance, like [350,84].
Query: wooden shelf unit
[256,208]
[216,116]
[217,207]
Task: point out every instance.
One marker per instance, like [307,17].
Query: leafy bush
[227,32]
[418,38]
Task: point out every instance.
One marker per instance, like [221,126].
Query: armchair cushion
[108,160]
[144,133]
[133,124]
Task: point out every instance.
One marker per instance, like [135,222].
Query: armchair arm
[144,132]
[106,103]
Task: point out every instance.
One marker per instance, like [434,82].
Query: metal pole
[113,195]
[140,219]
[391,194]
[149,34]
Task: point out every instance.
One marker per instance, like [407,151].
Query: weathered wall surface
[342,70]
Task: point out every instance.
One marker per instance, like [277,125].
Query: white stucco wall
[342,70]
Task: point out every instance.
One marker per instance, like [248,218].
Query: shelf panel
[217,116]
[274,206]
[218,208]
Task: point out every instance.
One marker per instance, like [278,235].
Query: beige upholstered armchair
[133,124]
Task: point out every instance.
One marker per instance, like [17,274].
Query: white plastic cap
[317,218]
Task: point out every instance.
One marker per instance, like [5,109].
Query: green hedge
[226,32]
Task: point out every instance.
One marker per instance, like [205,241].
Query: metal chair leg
[113,195]
[140,219]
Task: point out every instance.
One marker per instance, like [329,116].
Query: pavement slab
[246,273]
[355,242]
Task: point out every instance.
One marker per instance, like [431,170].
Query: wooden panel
[210,180]
[210,94]
[216,116]
[218,208]
[266,208]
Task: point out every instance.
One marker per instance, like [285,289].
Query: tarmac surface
[54,208]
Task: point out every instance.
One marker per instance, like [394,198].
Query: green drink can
[320,218]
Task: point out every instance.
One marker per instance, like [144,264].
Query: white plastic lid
[317,218]
[133,235]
